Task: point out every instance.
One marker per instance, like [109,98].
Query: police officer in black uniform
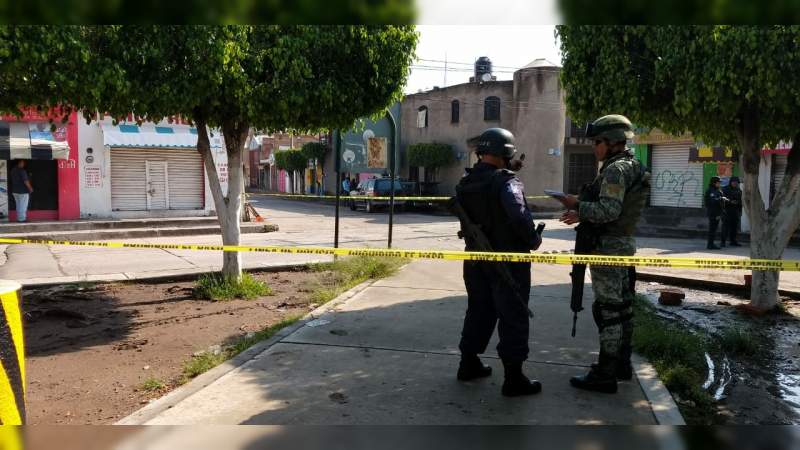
[493,198]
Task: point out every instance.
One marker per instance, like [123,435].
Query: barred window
[491,108]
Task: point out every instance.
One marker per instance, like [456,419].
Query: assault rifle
[584,244]
[477,239]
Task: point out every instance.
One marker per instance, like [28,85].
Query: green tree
[431,156]
[292,161]
[303,78]
[733,85]
[283,12]
[679,12]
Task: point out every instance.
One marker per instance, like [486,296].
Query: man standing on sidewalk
[612,205]
[21,189]
[493,198]
[733,212]
[715,208]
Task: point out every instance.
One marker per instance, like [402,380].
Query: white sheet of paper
[556,194]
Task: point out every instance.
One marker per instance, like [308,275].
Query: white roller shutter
[675,182]
[128,180]
[183,183]
[185,179]
[779,163]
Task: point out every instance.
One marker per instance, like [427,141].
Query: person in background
[346,185]
[715,207]
[21,189]
[733,212]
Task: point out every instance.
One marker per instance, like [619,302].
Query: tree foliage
[314,150]
[291,160]
[430,155]
[678,78]
[679,12]
[208,11]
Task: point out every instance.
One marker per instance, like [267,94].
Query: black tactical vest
[479,194]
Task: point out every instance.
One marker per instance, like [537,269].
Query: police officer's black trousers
[730,226]
[492,302]
[713,224]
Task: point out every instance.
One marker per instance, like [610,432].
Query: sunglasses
[598,141]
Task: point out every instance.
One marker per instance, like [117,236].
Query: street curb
[663,406]
[704,284]
[152,410]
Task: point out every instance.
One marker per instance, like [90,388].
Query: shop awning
[158,137]
[18,140]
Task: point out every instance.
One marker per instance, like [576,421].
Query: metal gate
[581,169]
[675,182]
[152,179]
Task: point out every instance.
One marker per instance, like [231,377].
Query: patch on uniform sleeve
[613,190]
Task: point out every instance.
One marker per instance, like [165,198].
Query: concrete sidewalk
[388,355]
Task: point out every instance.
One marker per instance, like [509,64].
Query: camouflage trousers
[612,308]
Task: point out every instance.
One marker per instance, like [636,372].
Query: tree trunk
[228,207]
[235,135]
[770,228]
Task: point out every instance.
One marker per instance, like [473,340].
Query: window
[422,117]
[454,111]
[491,108]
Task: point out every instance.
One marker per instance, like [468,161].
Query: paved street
[311,223]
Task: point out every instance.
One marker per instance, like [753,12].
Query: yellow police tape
[538,258]
[10,438]
[362,197]
[12,357]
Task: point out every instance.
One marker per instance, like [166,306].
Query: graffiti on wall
[677,186]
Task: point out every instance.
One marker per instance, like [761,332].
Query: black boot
[623,372]
[711,246]
[471,368]
[516,383]
[601,377]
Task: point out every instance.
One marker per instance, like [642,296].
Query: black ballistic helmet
[497,141]
[714,180]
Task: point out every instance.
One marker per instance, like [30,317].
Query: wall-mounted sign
[92,176]
[706,153]
[376,152]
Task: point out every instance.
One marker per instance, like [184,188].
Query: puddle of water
[724,380]
[790,388]
[710,378]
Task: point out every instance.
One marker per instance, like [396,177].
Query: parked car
[376,187]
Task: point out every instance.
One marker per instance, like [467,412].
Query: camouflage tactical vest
[636,192]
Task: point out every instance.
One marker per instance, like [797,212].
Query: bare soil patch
[91,349]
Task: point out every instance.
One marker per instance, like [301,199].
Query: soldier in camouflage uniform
[612,205]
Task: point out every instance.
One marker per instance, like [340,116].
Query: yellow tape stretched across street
[537,258]
[363,197]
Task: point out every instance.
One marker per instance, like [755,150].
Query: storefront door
[157,185]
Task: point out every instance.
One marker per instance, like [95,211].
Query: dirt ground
[90,348]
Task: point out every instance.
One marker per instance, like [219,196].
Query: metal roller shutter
[185,179]
[128,180]
[676,182]
[175,174]
[779,163]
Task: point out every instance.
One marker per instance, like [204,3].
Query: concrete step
[134,233]
[82,225]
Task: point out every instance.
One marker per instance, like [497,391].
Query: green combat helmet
[614,127]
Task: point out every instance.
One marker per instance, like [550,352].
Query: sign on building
[376,152]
